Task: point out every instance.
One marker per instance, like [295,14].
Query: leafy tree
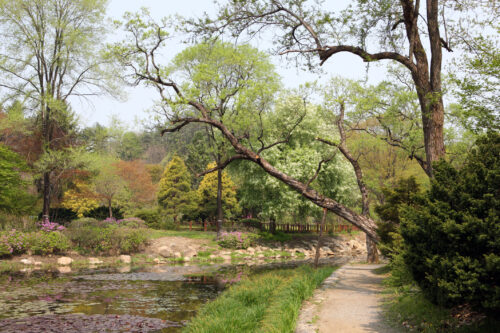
[175,194]
[207,195]
[409,33]
[109,186]
[138,179]
[51,52]
[130,147]
[80,199]
[14,198]
[452,238]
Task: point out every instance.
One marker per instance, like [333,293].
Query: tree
[51,52]
[80,199]
[208,197]
[14,198]
[175,194]
[248,137]
[138,179]
[109,186]
[403,29]
[452,236]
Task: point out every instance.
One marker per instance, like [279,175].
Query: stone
[261,256]
[124,269]
[226,257]
[156,260]
[94,261]
[190,253]
[251,250]
[27,261]
[64,269]
[126,259]
[177,255]
[38,263]
[166,252]
[64,261]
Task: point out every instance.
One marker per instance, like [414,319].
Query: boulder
[177,255]
[64,261]
[226,257]
[156,261]
[251,250]
[94,261]
[27,261]
[38,263]
[166,252]
[64,269]
[126,259]
[190,252]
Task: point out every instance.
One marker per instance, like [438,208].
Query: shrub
[278,236]
[102,212]
[12,242]
[251,223]
[47,242]
[60,215]
[131,222]
[107,238]
[152,217]
[452,239]
[50,226]
[236,240]
[84,221]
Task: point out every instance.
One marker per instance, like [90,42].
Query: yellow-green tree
[175,194]
[207,195]
[80,199]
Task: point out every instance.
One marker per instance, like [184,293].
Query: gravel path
[348,301]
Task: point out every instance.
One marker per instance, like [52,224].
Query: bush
[60,215]
[132,222]
[452,239]
[102,212]
[251,223]
[152,217]
[106,238]
[236,240]
[43,242]
[84,221]
[12,242]
[278,236]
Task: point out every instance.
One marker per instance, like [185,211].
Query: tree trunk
[219,202]
[318,245]
[110,209]
[272,225]
[46,197]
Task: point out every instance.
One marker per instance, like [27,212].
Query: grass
[406,308]
[267,302]
[154,234]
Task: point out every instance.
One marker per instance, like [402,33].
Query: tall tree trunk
[371,246]
[110,209]
[219,202]
[272,225]
[46,197]
[318,245]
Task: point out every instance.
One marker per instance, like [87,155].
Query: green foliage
[12,242]
[278,236]
[47,242]
[236,240]
[207,195]
[14,198]
[404,194]
[452,239]
[60,215]
[102,212]
[106,238]
[175,195]
[267,302]
[251,223]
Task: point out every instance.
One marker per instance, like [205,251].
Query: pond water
[127,299]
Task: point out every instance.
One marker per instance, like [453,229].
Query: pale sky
[139,100]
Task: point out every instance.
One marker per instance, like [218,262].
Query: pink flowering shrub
[12,242]
[236,240]
[41,242]
[51,226]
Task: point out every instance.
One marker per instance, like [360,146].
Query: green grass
[267,302]
[154,234]
[406,308]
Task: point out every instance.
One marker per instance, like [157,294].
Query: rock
[94,261]
[64,269]
[212,256]
[64,261]
[251,250]
[27,261]
[126,259]
[166,252]
[156,261]
[38,263]
[187,258]
[177,255]
[261,256]
[190,253]
[226,257]
[124,269]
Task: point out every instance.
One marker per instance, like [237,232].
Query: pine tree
[207,195]
[175,194]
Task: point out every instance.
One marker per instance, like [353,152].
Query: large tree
[50,52]
[410,33]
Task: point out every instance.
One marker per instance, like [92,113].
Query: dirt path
[348,301]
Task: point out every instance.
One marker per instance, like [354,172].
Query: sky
[134,109]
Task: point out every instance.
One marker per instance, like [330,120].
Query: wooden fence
[286,228]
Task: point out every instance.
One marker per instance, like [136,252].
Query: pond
[126,299]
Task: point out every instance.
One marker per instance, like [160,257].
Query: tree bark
[318,245]
[110,209]
[219,202]
[272,225]
[46,197]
